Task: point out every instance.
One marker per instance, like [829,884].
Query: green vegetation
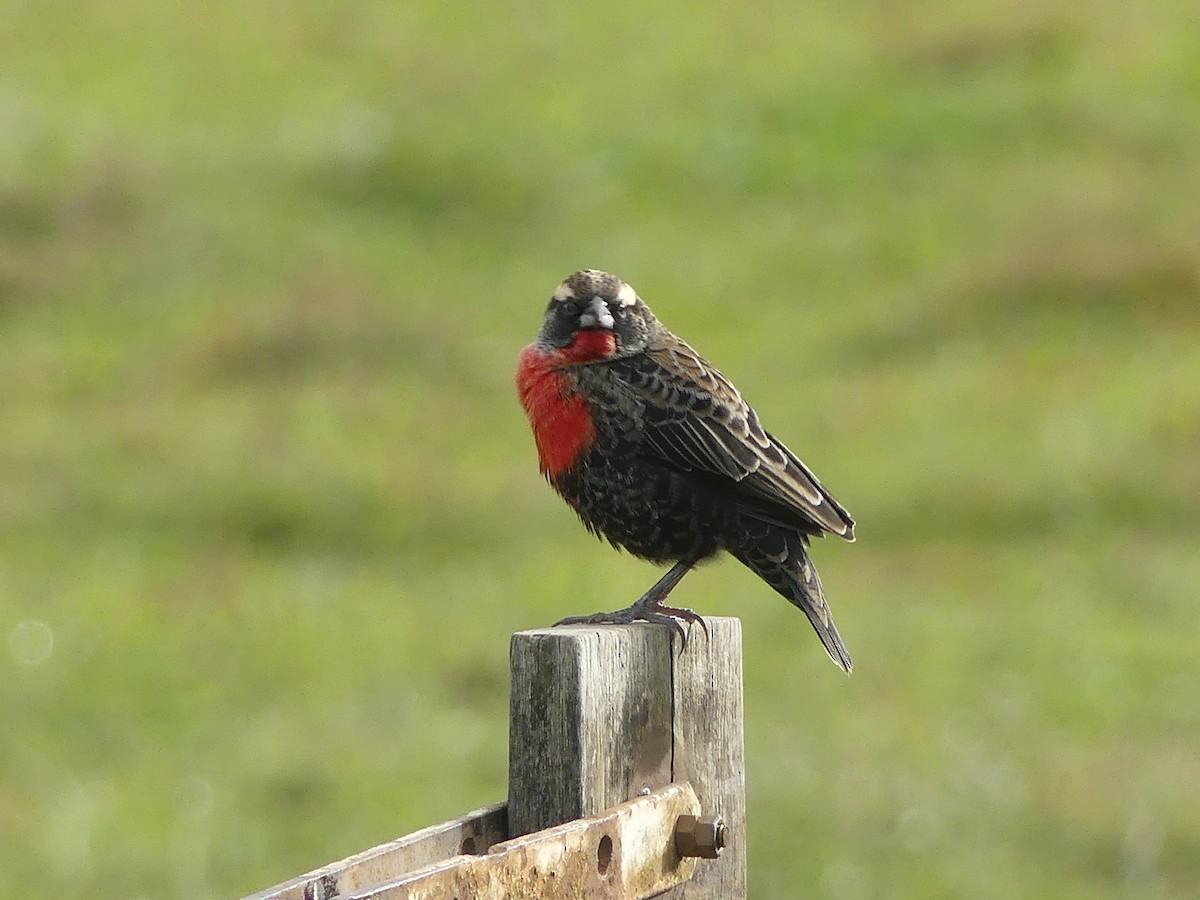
[269,509]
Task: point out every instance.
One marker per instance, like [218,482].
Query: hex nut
[701,836]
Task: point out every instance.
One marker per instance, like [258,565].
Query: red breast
[562,423]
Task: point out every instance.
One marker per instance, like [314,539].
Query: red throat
[562,425]
[590,346]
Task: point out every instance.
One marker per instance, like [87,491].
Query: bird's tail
[780,558]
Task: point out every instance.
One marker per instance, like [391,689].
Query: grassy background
[269,509]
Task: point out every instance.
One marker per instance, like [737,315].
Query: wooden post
[602,714]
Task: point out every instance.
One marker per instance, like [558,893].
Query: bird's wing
[695,419]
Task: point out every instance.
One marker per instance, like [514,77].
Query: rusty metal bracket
[626,852]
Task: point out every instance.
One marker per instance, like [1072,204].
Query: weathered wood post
[602,714]
[620,748]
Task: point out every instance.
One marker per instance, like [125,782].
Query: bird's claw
[681,613]
[671,616]
[620,617]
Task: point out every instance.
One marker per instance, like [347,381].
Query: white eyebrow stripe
[626,296]
[563,292]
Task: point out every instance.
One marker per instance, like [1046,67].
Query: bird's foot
[670,616]
[677,614]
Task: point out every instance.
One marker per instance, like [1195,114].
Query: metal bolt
[702,836]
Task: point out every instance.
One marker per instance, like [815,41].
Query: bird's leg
[649,607]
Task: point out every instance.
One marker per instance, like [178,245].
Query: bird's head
[594,315]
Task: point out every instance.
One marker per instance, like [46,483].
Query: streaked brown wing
[696,419]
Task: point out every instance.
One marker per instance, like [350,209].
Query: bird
[658,453]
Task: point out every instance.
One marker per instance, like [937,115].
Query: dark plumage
[657,452]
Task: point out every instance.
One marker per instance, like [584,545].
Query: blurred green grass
[264,271]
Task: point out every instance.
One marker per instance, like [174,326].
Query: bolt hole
[604,855]
[468,847]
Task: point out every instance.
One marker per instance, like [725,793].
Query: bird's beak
[596,315]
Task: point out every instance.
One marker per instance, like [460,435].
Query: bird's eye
[568,308]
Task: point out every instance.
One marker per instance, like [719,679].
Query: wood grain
[601,714]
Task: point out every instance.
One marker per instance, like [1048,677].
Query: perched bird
[657,452]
